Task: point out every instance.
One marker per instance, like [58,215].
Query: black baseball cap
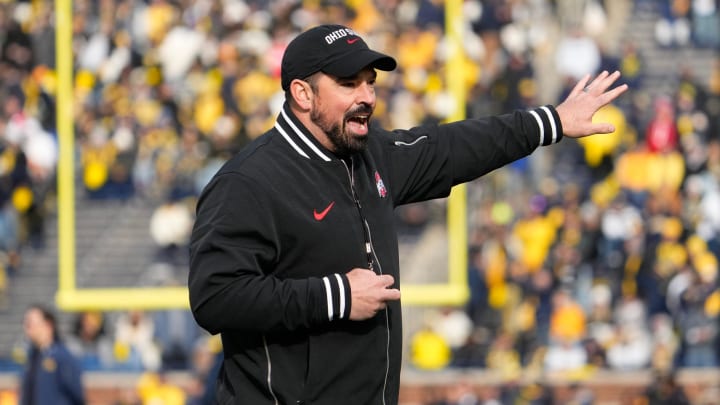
[333,49]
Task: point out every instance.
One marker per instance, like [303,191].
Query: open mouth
[358,123]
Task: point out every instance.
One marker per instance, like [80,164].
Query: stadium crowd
[601,253]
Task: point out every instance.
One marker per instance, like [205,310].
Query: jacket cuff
[337,294]
[549,126]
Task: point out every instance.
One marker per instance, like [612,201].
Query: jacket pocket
[312,362]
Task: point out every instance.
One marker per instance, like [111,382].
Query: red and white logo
[382,191]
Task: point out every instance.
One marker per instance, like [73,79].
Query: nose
[366,94]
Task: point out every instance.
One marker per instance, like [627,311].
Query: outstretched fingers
[601,83]
[586,98]
[608,96]
[580,86]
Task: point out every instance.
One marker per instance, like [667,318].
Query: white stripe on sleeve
[328,290]
[540,125]
[552,123]
[341,287]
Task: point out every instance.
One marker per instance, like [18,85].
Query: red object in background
[661,134]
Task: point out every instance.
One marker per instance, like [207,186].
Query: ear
[301,93]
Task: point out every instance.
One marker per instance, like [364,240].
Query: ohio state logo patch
[382,191]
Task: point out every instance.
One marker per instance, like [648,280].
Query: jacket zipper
[371,258]
[366,228]
[269,372]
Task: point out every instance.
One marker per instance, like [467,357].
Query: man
[294,258]
[52,375]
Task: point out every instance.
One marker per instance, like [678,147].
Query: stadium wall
[607,387]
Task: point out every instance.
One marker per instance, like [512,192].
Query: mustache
[363,109]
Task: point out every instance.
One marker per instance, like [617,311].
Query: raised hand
[577,110]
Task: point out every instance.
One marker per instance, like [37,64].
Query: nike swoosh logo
[352,40]
[319,216]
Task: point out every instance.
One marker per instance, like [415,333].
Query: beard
[343,142]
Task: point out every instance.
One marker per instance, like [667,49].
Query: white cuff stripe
[540,125]
[552,123]
[328,290]
[341,287]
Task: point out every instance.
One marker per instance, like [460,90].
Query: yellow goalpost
[71,298]
[455,291]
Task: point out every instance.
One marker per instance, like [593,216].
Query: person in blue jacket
[51,375]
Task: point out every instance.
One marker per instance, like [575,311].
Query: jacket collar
[301,140]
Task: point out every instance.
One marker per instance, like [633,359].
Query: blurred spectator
[207,358]
[51,374]
[154,388]
[170,226]
[673,28]
[428,350]
[567,330]
[493,17]
[542,287]
[595,353]
[664,390]
[619,223]
[4,284]
[194,390]
[665,255]
[629,309]
[90,342]
[105,174]
[565,355]
[665,343]
[521,321]
[473,351]
[535,233]
[461,393]
[134,344]
[16,51]
[176,334]
[30,155]
[453,325]
[661,134]
[698,316]
[503,358]
[581,395]
[577,55]
[516,85]
[601,329]
[10,235]
[533,393]
[708,217]
[705,17]
[632,65]
[631,349]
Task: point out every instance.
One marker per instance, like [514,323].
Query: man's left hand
[577,111]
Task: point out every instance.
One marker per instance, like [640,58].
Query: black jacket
[282,222]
